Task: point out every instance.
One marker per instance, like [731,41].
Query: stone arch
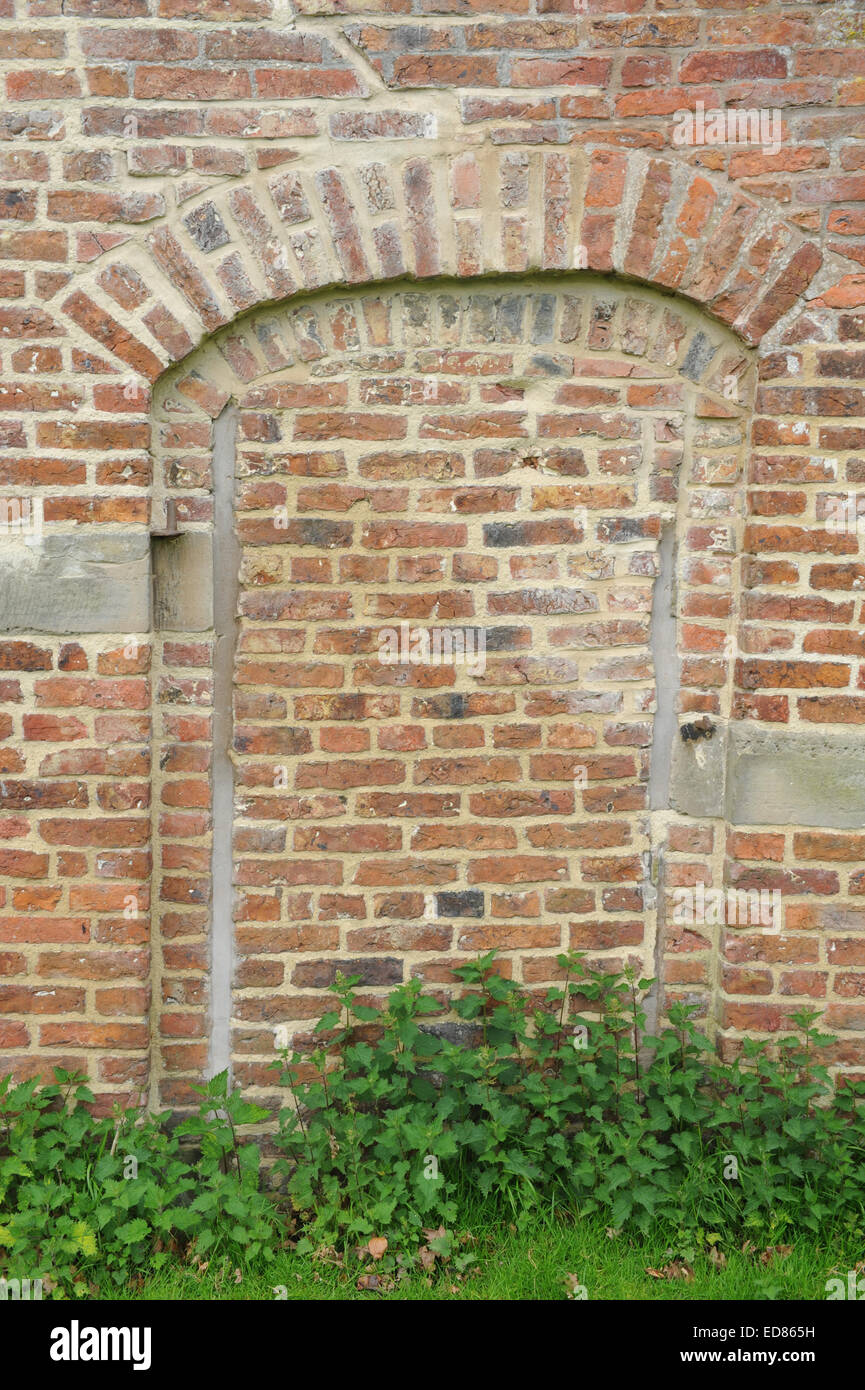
[589,359]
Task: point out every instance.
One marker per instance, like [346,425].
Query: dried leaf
[327,1254]
[375,1283]
[676,1269]
[717,1258]
[769,1254]
[377,1246]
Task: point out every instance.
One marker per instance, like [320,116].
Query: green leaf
[133,1232]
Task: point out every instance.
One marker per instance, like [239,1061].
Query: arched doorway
[453,504]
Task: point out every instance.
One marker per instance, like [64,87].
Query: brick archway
[454,212]
[504,454]
[466,214]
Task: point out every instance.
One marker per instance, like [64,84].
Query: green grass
[532,1262]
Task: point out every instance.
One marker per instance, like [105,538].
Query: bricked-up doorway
[501,457]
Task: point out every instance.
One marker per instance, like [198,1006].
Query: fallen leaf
[768,1255]
[717,1258]
[375,1283]
[676,1269]
[426,1257]
[377,1246]
[327,1254]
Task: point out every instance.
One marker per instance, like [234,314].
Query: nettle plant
[86,1199]
[367,1136]
[399,1127]
[395,1126]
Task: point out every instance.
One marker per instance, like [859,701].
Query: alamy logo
[435,646]
[21,516]
[854,1288]
[76,1343]
[845,515]
[719,126]
[18,1289]
[737,907]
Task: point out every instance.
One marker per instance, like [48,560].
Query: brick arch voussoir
[449,213]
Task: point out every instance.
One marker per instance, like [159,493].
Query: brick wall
[293,214]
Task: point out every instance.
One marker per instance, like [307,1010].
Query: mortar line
[226,567]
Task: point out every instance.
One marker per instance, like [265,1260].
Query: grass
[531,1262]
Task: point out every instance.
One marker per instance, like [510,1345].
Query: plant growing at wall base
[81,1193]
[563,1100]
[367,1134]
